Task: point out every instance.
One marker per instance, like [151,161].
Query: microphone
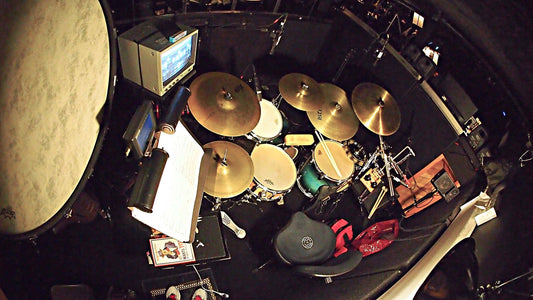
[256,84]
[380,52]
[276,34]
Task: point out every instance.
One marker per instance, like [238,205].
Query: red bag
[376,237]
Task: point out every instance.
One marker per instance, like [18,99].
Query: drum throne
[308,245]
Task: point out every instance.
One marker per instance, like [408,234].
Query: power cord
[221,294]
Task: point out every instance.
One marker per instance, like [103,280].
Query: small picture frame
[168,251]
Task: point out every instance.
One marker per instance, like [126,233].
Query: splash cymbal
[230,170]
[335,117]
[224,104]
[301,91]
[376,108]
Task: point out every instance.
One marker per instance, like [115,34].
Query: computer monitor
[156,59]
[140,132]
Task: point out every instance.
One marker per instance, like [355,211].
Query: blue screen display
[145,132]
[174,59]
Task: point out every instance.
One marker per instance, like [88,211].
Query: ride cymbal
[335,117]
[231,170]
[224,104]
[301,91]
[376,108]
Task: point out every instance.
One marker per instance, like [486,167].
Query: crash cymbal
[376,108]
[224,104]
[301,91]
[335,117]
[230,170]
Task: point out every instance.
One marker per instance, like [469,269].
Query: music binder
[179,192]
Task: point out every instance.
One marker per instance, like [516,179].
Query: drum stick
[328,153]
[378,201]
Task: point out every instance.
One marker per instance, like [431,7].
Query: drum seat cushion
[304,241]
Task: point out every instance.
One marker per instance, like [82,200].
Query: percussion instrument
[224,104]
[270,123]
[329,165]
[335,117]
[274,173]
[230,171]
[376,109]
[57,88]
[301,91]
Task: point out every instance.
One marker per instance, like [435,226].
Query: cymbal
[231,170]
[224,104]
[376,108]
[301,91]
[335,117]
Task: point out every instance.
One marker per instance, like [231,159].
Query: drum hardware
[347,59]
[335,117]
[276,34]
[228,222]
[257,85]
[301,91]
[389,165]
[224,104]
[230,171]
[355,152]
[277,101]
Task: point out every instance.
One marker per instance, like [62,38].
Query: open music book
[179,195]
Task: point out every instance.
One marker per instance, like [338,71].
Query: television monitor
[155,59]
[140,132]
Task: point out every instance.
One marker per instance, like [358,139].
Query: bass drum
[57,76]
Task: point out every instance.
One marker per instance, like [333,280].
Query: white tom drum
[270,123]
[56,84]
[274,173]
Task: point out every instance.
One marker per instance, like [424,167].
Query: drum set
[226,105]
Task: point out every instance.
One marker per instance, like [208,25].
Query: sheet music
[173,208]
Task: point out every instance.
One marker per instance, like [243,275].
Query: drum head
[273,167]
[55,78]
[323,162]
[270,122]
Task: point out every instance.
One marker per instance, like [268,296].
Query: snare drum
[320,171]
[274,173]
[270,123]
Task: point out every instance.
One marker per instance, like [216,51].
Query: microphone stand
[276,34]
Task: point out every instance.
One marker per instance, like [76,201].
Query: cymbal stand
[277,101]
[390,164]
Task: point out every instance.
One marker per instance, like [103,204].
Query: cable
[223,295]
[419,228]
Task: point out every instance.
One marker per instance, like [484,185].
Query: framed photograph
[168,251]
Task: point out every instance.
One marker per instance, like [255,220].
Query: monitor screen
[176,58]
[146,132]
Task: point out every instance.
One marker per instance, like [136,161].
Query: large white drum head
[337,154]
[273,168]
[54,74]
[270,122]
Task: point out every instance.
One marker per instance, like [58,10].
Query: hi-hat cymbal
[224,104]
[376,108]
[301,91]
[231,170]
[335,118]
